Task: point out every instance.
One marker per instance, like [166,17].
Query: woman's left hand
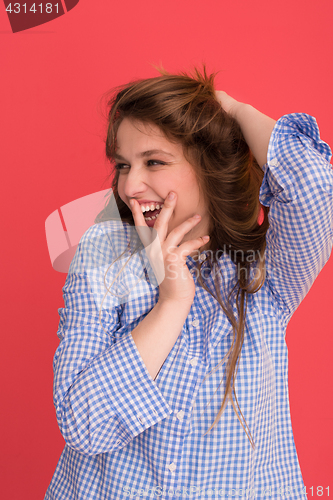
[228,103]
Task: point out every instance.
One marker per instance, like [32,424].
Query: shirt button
[202,257]
[180,415]
[154,411]
[172,467]
[141,420]
[193,362]
[195,322]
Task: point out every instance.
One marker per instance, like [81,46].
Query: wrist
[238,111]
[174,307]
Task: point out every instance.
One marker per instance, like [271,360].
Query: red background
[276,55]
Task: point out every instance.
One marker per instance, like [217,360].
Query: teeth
[150,208]
[152,218]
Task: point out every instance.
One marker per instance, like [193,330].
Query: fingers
[161,225]
[140,223]
[177,234]
[137,213]
[227,102]
[162,221]
[190,246]
[185,249]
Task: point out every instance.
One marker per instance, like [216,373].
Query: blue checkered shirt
[129,436]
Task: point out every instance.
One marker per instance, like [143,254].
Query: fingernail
[171,196]
[132,203]
[197,216]
[205,238]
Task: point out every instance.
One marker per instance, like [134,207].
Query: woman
[180,390]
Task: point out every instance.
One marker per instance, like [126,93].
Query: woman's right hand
[178,284]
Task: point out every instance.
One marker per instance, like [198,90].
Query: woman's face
[150,166]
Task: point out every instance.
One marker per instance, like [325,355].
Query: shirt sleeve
[103,393]
[297,187]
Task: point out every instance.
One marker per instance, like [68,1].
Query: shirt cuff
[128,387]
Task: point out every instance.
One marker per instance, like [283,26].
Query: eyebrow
[144,154]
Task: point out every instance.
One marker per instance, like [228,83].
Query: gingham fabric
[128,436]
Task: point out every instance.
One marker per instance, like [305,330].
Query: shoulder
[105,229]
[101,243]
[107,235]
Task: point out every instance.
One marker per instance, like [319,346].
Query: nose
[134,182]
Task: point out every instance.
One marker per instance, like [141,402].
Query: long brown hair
[185,108]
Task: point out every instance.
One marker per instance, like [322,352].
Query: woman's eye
[150,163]
[155,162]
[120,166]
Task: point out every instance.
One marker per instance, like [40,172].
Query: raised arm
[298,189]
[256,127]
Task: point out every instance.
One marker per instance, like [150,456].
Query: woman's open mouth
[151,216]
